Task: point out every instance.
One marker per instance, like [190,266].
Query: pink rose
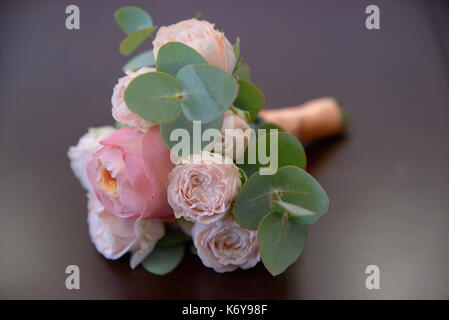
[81,153]
[202,191]
[225,246]
[113,237]
[201,36]
[129,174]
[120,111]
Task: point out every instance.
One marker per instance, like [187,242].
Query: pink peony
[129,174]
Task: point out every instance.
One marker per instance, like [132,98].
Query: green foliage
[144,59]
[134,40]
[236,48]
[290,184]
[290,152]
[242,72]
[207,91]
[154,96]
[173,237]
[163,260]
[250,98]
[281,241]
[184,123]
[173,56]
[132,19]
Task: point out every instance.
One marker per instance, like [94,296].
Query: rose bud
[201,36]
[113,237]
[130,174]
[202,188]
[225,246]
[120,111]
[87,145]
[233,145]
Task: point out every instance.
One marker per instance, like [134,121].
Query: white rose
[113,236]
[225,246]
[202,188]
[87,145]
[234,143]
[120,111]
[201,36]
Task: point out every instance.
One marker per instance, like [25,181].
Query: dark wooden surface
[387,178]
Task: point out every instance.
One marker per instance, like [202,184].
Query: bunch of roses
[133,186]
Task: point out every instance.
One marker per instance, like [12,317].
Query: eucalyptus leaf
[172,237]
[249,98]
[173,56]
[301,214]
[132,19]
[290,152]
[281,241]
[242,72]
[207,92]
[163,260]
[134,40]
[154,96]
[290,184]
[144,59]
[183,123]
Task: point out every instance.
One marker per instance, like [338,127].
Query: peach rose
[202,188]
[232,143]
[201,36]
[113,237]
[130,174]
[87,145]
[225,246]
[120,111]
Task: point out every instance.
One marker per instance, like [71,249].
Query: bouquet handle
[312,120]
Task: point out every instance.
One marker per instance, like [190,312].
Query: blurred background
[387,177]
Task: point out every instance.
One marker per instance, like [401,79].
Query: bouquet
[193,162]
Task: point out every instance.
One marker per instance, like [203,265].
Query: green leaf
[198,15]
[193,249]
[249,98]
[302,215]
[236,48]
[290,152]
[202,92]
[289,184]
[207,91]
[144,59]
[242,72]
[172,237]
[164,260]
[281,241]
[183,123]
[132,19]
[271,126]
[243,176]
[134,40]
[154,96]
[173,56]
